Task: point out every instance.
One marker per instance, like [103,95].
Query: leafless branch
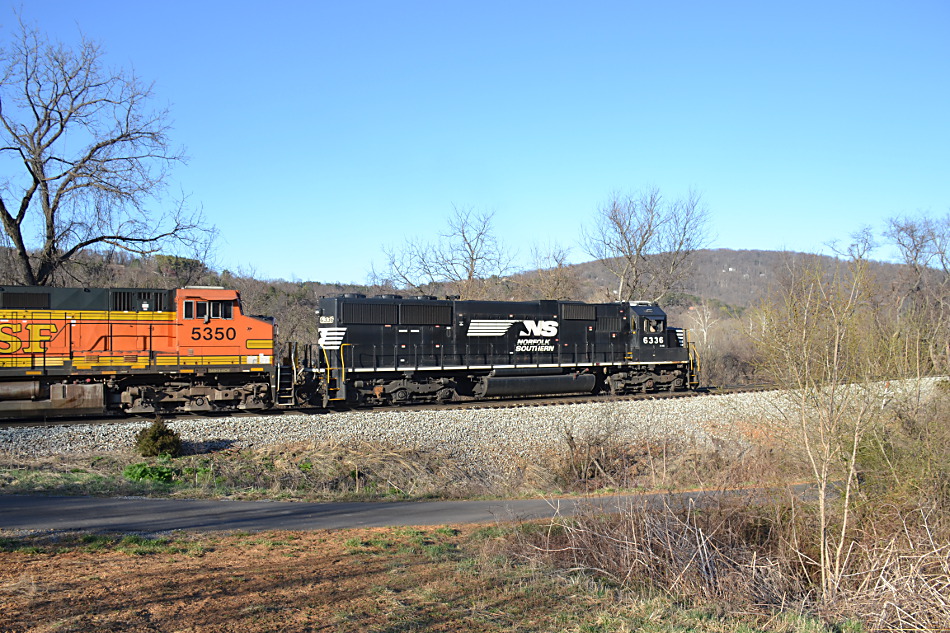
[646,242]
[467,261]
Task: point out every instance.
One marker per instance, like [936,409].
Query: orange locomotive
[131,350]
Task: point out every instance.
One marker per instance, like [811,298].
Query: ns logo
[539,328]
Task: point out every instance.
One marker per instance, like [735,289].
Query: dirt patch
[384,579]
[278,581]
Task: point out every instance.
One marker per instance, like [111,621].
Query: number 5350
[213,334]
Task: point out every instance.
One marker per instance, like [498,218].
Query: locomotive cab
[648,323]
[215,358]
[658,357]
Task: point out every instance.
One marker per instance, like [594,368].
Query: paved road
[95,514]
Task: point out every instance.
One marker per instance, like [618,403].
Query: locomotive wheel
[445,395]
[198,403]
[399,396]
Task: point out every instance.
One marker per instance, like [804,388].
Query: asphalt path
[145,515]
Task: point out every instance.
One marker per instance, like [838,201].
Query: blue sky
[319,131]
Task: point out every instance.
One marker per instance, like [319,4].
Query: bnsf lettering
[9,341]
[539,328]
[37,335]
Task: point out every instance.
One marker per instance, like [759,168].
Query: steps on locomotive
[333,384]
[285,387]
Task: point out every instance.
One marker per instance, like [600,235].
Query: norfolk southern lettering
[534,345]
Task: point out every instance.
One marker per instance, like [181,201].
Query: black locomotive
[390,349]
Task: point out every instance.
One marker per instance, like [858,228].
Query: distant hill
[733,277]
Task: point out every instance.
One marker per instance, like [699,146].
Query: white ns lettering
[539,328]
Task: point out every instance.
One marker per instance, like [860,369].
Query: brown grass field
[393,579]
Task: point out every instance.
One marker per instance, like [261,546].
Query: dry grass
[365,469]
[752,557]
[333,471]
[900,581]
[755,556]
[760,555]
[25,585]
[303,471]
[726,555]
[600,461]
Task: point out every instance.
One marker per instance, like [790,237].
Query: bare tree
[552,276]
[646,242]
[178,272]
[468,260]
[914,240]
[703,318]
[923,299]
[86,159]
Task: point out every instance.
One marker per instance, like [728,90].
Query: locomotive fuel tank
[492,386]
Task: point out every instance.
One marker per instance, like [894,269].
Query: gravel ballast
[471,435]
[522,431]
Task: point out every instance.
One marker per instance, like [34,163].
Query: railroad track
[508,403]
[543,401]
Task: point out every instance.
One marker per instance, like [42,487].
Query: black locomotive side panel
[507,334]
[390,333]
[386,334]
[393,349]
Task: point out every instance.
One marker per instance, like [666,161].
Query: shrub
[158,439]
[140,472]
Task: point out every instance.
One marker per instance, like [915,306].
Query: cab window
[209,310]
[653,325]
[221,310]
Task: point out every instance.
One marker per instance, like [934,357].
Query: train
[102,351]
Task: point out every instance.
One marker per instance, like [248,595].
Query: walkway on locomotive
[389,333]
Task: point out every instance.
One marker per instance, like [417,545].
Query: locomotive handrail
[694,362]
[342,367]
[326,358]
